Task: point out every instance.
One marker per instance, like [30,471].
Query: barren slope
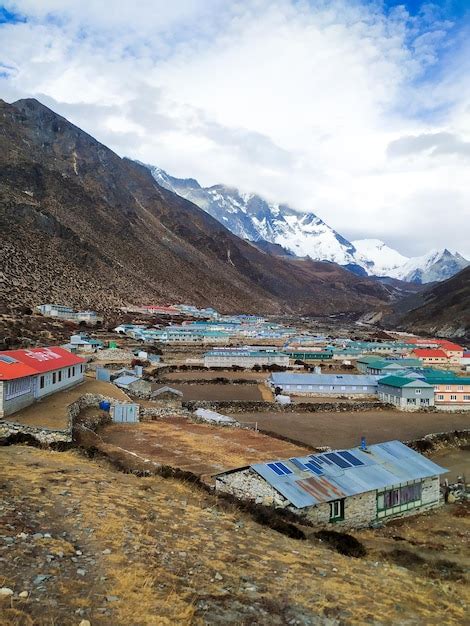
[84,227]
[128,551]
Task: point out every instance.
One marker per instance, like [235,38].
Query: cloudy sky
[358,110]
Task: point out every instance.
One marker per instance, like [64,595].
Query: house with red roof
[431,356]
[29,375]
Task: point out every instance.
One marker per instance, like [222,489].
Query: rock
[37,536]
[78,552]
[112,598]
[106,551]
[85,622]
[218,576]
[81,572]
[40,578]
[23,594]
[6,591]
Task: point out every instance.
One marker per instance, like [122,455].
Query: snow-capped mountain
[435,266]
[376,257]
[251,217]
[304,234]
[381,260]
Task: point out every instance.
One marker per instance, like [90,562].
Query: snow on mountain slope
[377,258]
[437,265]
[251,217]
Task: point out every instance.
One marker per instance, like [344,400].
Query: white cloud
[320,104]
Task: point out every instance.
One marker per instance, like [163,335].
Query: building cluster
[68,314]
[217,331]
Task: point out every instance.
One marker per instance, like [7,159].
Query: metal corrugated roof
[402,381]
[381,465]
[281,378]
[125,380]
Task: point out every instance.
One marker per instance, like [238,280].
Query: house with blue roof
[350,488]
[356,385]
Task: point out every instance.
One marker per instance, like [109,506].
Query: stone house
[167,397]
[348,488]
[407,394]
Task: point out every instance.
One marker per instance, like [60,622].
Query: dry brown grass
[167,542]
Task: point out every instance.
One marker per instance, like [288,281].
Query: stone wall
[248,485]
[41,435]
[273,407]
[150,414]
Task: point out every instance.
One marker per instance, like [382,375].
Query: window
[418,392]
[73,370]
[460,388]
[466,397]
[447,387]
[41,382]
[60,375]
[81,368]
[398,499]
[440,396]
[336,510]
[453,397]
[364,388]
[54,378]
[18,387]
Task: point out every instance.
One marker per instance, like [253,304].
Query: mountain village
[215,409]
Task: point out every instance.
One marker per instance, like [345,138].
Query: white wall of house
[51,382]
[15,395]
[245,361]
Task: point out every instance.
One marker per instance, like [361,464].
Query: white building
[324,384]
[244,358]
[67,313]
[29,375]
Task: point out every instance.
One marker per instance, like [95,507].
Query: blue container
[105,405]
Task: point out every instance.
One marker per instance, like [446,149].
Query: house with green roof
[382,367]
[407,394]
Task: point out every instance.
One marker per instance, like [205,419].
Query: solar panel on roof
[351,458]
[7,359]
[298,464]
[315,462]
[337,460]
[324,459]
[284,468]
[275,469]
[314,468]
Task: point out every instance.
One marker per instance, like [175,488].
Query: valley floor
[89,542]
[344,429]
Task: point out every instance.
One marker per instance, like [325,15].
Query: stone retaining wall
[12,430]
[273,407]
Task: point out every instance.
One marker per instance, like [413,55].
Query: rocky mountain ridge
[82,226]
[255,219]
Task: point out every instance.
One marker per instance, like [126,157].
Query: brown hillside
[83,227]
